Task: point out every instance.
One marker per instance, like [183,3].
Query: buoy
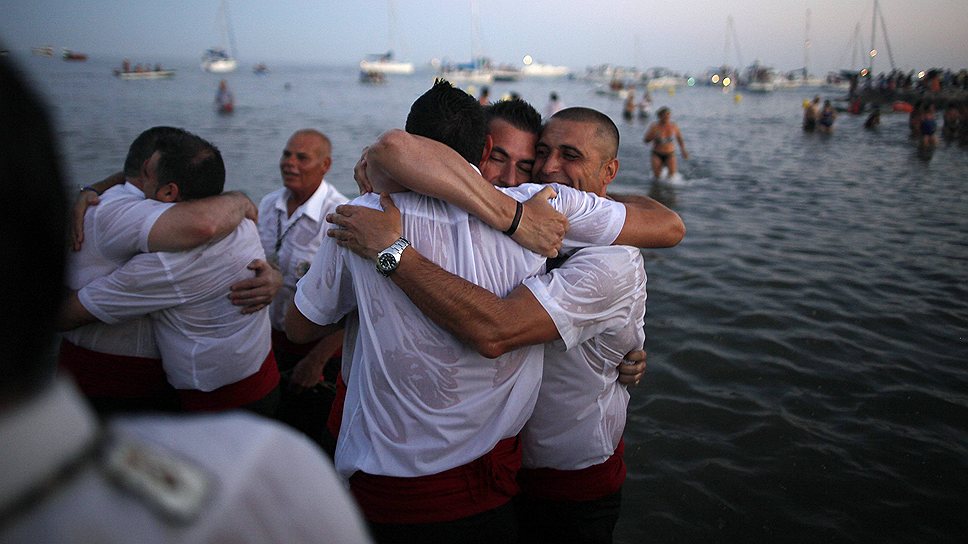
[737,98]
[672,91]
[806,103]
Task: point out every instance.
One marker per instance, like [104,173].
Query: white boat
[760,79]
[537,69]
[384,64]
[467,73]
[152,74]
[216,59]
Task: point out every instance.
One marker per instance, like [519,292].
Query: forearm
[428,167]
[116,178]
[476,316]
[648,224]
[301,330]
[73,314]
[187,225]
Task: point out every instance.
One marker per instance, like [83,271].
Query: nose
[507,174]
[547,165]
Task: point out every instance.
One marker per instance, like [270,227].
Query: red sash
[585,484]
[478,486]
[114,376]
[233,395]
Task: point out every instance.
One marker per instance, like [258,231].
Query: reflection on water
[807,340]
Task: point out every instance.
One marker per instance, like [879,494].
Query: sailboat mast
[873,51]
[806,47]
[887,41]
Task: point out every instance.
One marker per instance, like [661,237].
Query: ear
[609,171]
[168,192]
[327,163]
[488,146]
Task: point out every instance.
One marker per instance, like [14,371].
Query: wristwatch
[388,259]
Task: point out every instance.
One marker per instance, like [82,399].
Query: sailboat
[479,69]
[216,59]
[384,63]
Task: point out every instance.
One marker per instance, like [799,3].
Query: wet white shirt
[298,237]
[597,301]
[259,481]
[114,231]
[205,341]
[418,400]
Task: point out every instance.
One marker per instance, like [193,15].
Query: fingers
[547,192]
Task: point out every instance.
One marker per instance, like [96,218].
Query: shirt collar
[312,208]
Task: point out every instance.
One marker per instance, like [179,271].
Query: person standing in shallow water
[662,135]
[827,117]
[224,100]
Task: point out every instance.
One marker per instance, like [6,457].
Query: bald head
[606,137]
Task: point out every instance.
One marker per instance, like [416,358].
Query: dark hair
[450,116]
[607,131]
[518,113]
[34,241]
[191,163]
[143,147]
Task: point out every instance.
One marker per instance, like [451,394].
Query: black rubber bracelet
[516,221]
[89,188]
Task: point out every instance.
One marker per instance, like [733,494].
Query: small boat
[216,59]
[69,55]
[506,73]
[147,74]
[43,51]
[537,69]
[384,64]
[260,69]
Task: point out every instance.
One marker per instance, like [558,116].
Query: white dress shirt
[115,230]
[298,237]
[418,400]
[597,301]
[205,341]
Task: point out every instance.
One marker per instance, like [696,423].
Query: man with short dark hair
[429,433]
[216,357]
[118,366]
[589,309]
[513,127]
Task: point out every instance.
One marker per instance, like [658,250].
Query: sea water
[807,340]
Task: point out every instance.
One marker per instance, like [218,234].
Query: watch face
[387,262]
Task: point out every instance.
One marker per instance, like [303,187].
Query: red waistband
[478,486]
[113,376]
[234,395]
[585,484]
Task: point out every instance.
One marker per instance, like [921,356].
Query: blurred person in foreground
[66,477]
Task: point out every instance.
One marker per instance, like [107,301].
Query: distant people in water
[554,105]
[628,109]
[929,127]
[485,96]
[645,105]
[874,119]
[663,135]
[224,100]
[827,116]
[811,110]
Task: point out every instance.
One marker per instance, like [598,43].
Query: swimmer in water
[662,135]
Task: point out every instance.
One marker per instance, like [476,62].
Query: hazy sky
[685,35]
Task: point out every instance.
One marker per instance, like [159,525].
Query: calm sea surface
[807,341]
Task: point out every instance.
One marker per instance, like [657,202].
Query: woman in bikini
[662,135]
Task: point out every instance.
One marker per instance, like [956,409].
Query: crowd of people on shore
[465,388]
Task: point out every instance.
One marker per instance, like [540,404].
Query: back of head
[518,113]
[450,116]
[191,163]
[142,148]
[606,131]
[34,241]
